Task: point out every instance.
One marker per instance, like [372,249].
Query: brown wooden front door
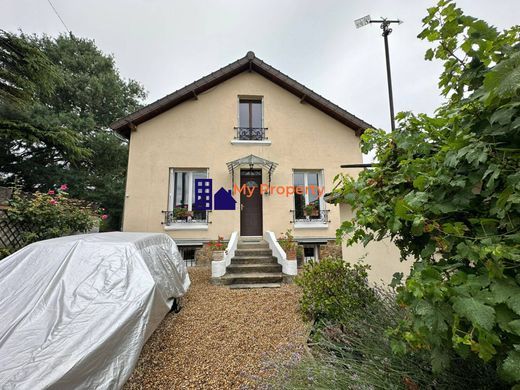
[251,208]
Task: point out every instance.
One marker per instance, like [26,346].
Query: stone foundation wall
[299,256]
[203,256]
[331,249]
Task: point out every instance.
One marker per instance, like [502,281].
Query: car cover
[76,311]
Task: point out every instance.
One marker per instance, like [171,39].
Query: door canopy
[252,162]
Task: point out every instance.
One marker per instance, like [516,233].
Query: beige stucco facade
[383,257]
[199,133]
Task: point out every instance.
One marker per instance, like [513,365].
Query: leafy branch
[446,189]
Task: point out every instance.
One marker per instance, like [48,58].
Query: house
[269,140]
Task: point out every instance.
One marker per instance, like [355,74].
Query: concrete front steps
[253,266]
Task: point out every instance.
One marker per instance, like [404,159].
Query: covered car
[76,311]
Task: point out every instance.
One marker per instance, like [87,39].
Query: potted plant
[311,210]
[288,244]
[181,213]
[291,252]
[217,249]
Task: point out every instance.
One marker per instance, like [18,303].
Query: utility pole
[385,26]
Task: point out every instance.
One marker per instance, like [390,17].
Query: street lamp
[385,26]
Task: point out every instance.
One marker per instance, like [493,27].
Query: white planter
[218,255]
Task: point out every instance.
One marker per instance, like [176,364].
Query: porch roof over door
[251,161]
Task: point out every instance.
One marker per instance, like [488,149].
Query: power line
[59,17]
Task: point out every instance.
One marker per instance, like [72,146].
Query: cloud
[168,44]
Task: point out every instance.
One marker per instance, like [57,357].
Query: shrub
[354,352]
[49,215]
[446,188]
[333,288]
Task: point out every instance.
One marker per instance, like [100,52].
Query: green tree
[24,71]
[27,79]
[87,94]
[446,189]
[102,176]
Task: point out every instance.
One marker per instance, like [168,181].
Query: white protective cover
[75,311]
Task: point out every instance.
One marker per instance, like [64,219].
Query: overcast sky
[168,44]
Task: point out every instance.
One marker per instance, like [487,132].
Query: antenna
[362,21]
[385,26]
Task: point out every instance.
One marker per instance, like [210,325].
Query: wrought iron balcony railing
[299,216]
[186,217]
[251,133]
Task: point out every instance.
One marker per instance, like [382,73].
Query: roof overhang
[249,63]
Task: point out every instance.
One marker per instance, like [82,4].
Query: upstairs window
[250,113]
[250,121]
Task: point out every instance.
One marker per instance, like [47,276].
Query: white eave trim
[246,142]
[186,226]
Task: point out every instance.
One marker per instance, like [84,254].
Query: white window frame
[171,206]
[250,142]
[316,252]
[249,97]
[310,224]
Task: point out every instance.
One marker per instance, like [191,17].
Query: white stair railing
[289,267]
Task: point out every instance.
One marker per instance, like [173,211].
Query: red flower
[51,192]
[64,187]
[104,216]
[53,202]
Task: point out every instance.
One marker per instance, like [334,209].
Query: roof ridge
[249,62]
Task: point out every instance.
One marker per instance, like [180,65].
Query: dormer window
[250,120]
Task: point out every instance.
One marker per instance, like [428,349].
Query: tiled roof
[248,63]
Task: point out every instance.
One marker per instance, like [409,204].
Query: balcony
[251,135]
[182,219]
[317,219]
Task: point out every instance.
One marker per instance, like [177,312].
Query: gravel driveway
[222,338]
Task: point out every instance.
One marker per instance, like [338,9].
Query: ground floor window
[188,254]
[308,205]
[182,195]
[310,252]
